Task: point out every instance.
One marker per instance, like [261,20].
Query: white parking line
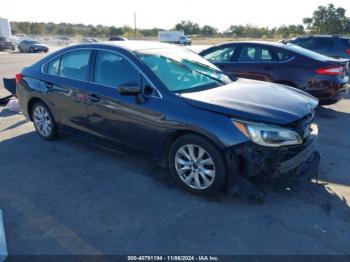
[3,247]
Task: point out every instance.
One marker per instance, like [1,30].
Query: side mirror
[129,90]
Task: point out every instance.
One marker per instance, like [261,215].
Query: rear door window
[75,65]
[53,67]
[114,70]
[282,56]
[255,54]
[222,55]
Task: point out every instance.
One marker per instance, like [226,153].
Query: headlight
[268,135]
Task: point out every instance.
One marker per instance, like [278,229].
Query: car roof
[318,36]
[270,43]
[131,45]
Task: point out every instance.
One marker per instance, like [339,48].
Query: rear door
[253,62]
[64,81]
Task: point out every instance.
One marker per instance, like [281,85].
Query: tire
[20,50]
[202,179]
[44,122]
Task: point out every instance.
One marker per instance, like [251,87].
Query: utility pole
[135,24]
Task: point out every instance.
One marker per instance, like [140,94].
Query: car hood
[255,101]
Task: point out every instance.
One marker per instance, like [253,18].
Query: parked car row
[171,105]
[24,46]
[322,76]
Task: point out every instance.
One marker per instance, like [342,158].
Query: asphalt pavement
[71,197]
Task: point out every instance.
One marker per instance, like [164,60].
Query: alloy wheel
[42,121]
[195,167]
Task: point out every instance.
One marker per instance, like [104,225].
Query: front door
[124,120]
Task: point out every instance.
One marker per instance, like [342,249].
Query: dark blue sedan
[170,105]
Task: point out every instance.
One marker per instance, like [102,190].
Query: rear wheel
[44,122]
[197,165]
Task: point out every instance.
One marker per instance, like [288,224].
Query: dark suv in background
[334,46]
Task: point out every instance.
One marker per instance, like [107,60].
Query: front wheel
[197,165]
[44,122]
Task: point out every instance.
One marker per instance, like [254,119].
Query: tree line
[325,20]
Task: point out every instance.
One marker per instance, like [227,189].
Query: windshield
[182,70]
[33,42]
[4,39]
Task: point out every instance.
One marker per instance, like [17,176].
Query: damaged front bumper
[296,160]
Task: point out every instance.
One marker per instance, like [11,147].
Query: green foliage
[325,20]
[328,20]
[189,27]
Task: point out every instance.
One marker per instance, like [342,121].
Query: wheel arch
[176,134]
[32,101]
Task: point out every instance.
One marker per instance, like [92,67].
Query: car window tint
[53,66]
[306,43]
[220,55]
[255,54]
[265,55]
[283,56]
[75,64]
[324,44]
[346,41]
[178,76]
[114,70]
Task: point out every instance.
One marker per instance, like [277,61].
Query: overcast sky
[165,13]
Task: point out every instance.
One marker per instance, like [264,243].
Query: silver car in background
[31,46]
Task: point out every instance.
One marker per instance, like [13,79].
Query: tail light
[347,51]
[332,70]
[19,78]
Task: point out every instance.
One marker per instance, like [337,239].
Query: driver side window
[114,70]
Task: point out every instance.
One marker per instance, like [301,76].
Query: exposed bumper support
[295,161]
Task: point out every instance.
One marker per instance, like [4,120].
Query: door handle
[94,98]
[268,68]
